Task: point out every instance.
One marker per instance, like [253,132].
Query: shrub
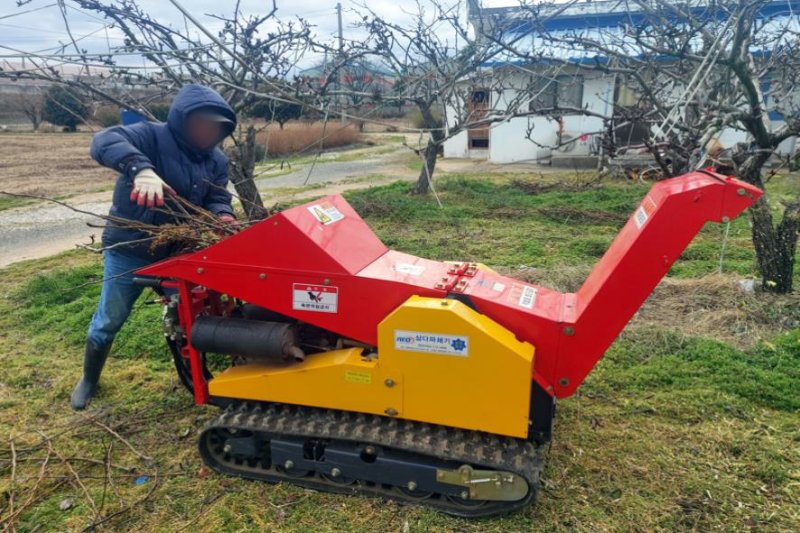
[414,116]
[107,116]
[160,111]
[280,112]
[64,107]
[305,137]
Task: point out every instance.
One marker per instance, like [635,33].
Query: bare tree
[29,103]
[695,71]
[247,60]
[441,68]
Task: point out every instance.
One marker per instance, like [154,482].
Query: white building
[573,136]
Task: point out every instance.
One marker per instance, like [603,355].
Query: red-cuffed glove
[230,220]
[149,188]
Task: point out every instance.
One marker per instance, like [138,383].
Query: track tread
[445,443]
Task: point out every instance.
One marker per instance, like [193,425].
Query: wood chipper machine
[357,369]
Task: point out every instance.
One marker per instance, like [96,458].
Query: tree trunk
[788,231]
[428,165]
[775,246]
[242,165]
[429,156]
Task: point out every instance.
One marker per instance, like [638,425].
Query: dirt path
[359,165]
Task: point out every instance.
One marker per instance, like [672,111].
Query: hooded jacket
[200,176]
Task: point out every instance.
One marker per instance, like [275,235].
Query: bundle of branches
[193,227]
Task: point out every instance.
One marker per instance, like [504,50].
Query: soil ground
[50,164]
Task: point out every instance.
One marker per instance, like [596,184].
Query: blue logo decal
[458,345]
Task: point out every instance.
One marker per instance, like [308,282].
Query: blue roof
[614,13]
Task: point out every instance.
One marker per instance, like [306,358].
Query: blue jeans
[116,297]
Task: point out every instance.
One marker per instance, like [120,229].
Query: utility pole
[339,16]
[342,98]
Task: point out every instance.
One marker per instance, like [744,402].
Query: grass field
[690,423]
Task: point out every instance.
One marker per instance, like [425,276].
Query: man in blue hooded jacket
[180,157]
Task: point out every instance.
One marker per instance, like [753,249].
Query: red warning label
[316,298]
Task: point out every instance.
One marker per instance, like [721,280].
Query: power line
[39,30]
[27,11]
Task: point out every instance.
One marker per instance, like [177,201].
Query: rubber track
[481,450]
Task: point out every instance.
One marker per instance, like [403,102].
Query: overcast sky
[41,29]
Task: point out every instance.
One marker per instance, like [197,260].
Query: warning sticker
[365,378]
[408,268]
[522,295]
[438,343]
[643,213]
[325,212]
[317,298]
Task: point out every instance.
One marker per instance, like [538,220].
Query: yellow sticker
[358,377]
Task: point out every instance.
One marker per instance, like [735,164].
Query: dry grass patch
[718,307]
[297,137]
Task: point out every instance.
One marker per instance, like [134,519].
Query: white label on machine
[640,217]
[408,268]
[325,212]
[527,298]
[439,343]
[498,287]
[644,212]
[316,298]
[522,295]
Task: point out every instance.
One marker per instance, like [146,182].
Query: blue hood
[191,98]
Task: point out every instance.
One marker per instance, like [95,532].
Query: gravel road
[39,231]
[332,172]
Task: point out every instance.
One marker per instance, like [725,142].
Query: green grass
[498,223]
[678,363]
[671,432]
[9,202]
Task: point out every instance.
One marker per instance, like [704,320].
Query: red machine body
[321,264]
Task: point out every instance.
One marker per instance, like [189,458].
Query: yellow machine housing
[438,362]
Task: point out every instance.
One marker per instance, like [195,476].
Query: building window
[481,97]
[559,92]
[478,106]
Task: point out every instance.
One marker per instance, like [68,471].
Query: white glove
[149,188]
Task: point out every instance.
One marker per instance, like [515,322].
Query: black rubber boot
[93,361]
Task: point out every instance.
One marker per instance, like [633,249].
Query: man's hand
[230,220]
[148,188]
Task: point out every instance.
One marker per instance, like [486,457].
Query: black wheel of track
[183,367]
[216,447]
[340,480]
[464,503]
[416,493]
